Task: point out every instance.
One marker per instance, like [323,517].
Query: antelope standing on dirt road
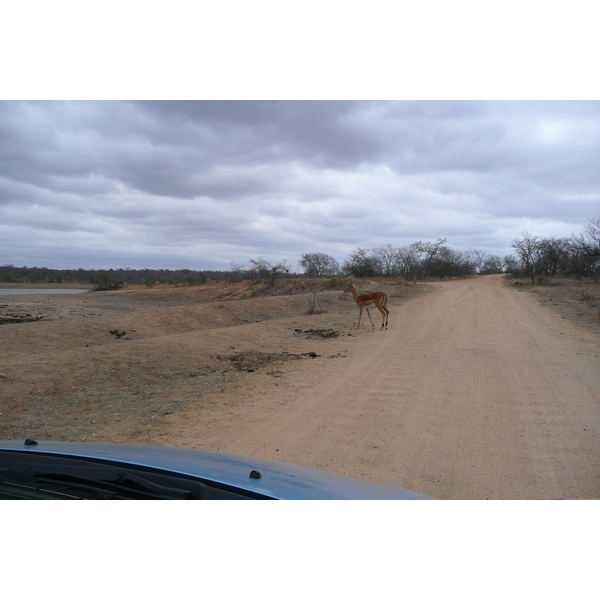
[379,299]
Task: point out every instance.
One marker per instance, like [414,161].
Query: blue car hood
[263,477]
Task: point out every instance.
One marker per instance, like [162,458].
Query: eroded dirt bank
[475,391]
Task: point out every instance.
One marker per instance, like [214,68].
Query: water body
[17,291]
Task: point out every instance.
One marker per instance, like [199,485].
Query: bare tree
[408,261]
[478,259]
[493,264]
[592,231]
[447,262]
[430,249]
[388,258]
[553,253]
[529,251]
[548,256]
[582,260]
[235,270]
[269,271]
[362,263]
[317,264]
[510,264]
[592,246]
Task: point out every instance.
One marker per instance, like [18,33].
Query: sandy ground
[475,391]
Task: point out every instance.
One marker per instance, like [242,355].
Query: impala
[379,299]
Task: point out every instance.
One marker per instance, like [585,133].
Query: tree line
[535,257]
[416,261]
[540,258]
[104,278]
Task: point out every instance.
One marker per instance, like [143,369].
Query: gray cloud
[201,184]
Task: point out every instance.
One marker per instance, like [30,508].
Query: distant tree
[529,250]
[9,273]
[493,264]
[592,231]
[478,259]
[317,264]
[189,276]
[430,250]
[592,246]
[269,271]
[362,263]
[107,280]
[510,264]
[581,258]
[235,271]
[553,252]
[407,261]
[592,243]
[447,262]
[388,259]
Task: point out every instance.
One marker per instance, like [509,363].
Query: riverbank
[45,286]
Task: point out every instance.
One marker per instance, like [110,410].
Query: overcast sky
[202,184]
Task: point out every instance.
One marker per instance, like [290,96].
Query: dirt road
[475,392]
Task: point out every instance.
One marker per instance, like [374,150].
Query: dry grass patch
[578,301]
